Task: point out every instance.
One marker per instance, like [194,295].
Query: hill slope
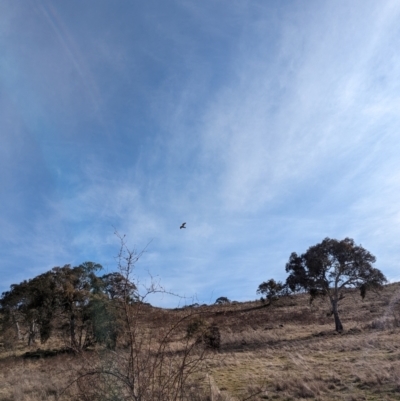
[285,351]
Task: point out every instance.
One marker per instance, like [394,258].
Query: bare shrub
[157,363]
[377,324]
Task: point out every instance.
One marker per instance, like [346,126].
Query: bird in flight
[183,225]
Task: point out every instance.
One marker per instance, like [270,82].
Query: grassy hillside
[286,351]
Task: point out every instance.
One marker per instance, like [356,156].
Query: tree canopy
[222,301]
[272,289]
[75,298]
[331,266]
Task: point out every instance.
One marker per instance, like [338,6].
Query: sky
[265,126]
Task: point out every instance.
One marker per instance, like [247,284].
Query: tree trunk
[16,325]
[338,323]
[18,331]
[32,333]
[72,331]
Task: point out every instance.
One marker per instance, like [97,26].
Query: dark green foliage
[79,300]
[212,337]
[208,335]
[116,286]
[194,326]
[31,304]
[102,315]
[272,289]
[222,301]
[331,266]
[75,289]
[45,329]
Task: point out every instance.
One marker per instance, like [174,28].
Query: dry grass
[286,351]
[45,379]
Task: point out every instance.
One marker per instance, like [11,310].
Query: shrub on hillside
[194,326]
[222,301]
[212,337]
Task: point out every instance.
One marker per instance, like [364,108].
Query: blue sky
[266,126]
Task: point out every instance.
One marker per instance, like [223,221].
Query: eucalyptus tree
[331,266]
[10,307]
[118,287]
[65,295]
[30,307]
[272,289]
[75,287]
[222,301]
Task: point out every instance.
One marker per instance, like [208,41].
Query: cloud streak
[265,127]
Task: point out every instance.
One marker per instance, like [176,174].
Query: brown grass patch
[287,351]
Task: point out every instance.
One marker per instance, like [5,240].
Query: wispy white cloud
[288,137]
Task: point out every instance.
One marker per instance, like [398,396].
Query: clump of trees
[75,299]
[326,269]
[151,360]
[272,289]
